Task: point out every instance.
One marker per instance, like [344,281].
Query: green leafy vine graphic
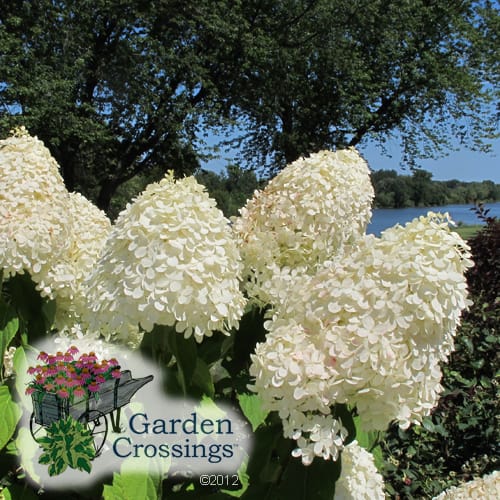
[67,443]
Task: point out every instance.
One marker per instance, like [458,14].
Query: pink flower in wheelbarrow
[93,387]
[75,378]
[43,356]
[63,393]
[79,392]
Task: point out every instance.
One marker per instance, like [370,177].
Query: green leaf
[29,304]
[428,424]
[68,443]
[264,464]
[49,312]
[20,367]
[378,457]
[202,378]
[244,480]
[5,494]
[29,449]
[185,354]
[209,410]
[9,324]
[17,492]
[251,406]
[302,482]
[367,440]
[83,464]
[128,486]
[250,332]
[10,414]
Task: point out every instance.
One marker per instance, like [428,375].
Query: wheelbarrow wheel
[37,430]
[97,424]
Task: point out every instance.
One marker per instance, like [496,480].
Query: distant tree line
[231,189]
[419,190]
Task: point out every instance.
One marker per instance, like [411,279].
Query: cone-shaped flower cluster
[307,213]
[35,221]
[371,328]
[359,478]
[366,323]
[52,234]
[91,227]
[169,260]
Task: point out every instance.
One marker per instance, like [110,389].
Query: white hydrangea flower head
[292,377]
[35,220]
[484,488]
[369,329]
[359,478]
[8,361]
[316,435]
[304,215]
[91,228]
[170,259]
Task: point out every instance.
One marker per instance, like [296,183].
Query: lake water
[383,218]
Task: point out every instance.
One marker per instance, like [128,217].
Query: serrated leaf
[10,414]
[251,406]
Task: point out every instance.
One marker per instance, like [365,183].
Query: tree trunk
[108,189]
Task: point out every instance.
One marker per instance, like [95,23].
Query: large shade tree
[109,99]
[123,88]
[327,73]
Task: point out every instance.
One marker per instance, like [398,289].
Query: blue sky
[463,165]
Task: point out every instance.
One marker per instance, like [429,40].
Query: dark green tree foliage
[118,88]
[461,439]
[231,189]
[324,73]
[109,98]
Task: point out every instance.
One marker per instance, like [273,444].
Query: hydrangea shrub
[321,333]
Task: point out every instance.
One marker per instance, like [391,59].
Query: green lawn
[467,232]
